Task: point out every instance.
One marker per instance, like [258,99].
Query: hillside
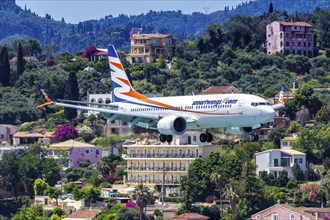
[16,22]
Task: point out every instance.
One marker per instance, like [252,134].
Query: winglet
[48,99]
[281,96]
[280,102]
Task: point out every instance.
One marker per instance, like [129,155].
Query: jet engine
[241,130]
[172,125]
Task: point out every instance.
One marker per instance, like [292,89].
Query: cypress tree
[5,68]
[1,65]
[270,8]
[20,60]
[71,93]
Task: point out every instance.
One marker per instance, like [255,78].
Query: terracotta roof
[190,216]
[27,59]
[220,90]
[28,134]
[302,24]
[147,36]
[84,214]
[70,144]
[292,152]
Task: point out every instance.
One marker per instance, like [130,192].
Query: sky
[74,11]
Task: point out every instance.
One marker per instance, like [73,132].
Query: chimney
[316,215]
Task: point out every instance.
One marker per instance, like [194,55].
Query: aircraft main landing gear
[206,137]
[163,138]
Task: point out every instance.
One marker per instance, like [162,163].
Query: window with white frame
[292,217]
[275,217]
[86,152]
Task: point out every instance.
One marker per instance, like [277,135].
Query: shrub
[130,205]
[65,132]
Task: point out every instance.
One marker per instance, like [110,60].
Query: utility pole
[163,179]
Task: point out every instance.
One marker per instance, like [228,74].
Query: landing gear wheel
[254,138]
[209,137]
[169,138]
[162,137]
[203,137]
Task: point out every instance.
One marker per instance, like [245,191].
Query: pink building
[77,151]
[287,212]
[290,38]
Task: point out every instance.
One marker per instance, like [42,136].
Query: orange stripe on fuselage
[118,65]
[134,94]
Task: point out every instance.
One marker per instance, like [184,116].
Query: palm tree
[143,197]
[218,178]
[232,195]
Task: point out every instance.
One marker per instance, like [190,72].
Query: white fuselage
[211,111]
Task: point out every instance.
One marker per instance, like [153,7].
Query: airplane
[238,113]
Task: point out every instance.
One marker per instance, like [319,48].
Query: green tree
[297,172]
[326,185]
[20,60]
[51,171]
[71,93]
[218,178]
[54,193]
[40,186]
[90,193]
[270,8]
[143,198]
[4,67]
[29,213]
[305,96]
[250,190]
[232,194]
[276,134]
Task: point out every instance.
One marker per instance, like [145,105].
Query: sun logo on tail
[281,96]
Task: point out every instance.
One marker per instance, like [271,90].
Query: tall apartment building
[155,164]
[146,48]
[290,38]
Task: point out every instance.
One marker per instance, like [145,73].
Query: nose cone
[267,113]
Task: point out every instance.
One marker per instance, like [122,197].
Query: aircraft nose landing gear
[206,137]
[254,137]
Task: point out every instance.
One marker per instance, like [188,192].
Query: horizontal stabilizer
[89,103]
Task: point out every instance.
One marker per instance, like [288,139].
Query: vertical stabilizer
[121,86]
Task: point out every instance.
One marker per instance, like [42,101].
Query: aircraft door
[240,105]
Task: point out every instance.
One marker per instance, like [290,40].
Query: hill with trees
[60,36]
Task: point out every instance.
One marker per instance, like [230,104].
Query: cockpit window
[259,103]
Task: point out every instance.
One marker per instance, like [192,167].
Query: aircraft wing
[113,112]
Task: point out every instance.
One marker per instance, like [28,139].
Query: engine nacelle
[239,130]
[172,125]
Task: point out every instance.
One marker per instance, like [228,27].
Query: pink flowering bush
[130,205]
[91,50]
[65,132]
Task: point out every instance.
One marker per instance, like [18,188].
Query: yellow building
[154,164]
[146,48]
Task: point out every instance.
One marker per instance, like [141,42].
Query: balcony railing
[161,155]
[155,168]
[168,182]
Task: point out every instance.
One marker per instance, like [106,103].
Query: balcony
[158,182]
[161,156]
[155,169]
